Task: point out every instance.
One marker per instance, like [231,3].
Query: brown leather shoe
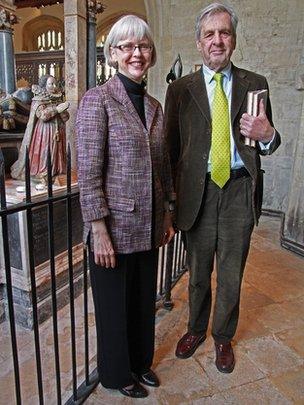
[188,344]
[224,357]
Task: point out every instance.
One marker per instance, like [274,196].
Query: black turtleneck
[136,92]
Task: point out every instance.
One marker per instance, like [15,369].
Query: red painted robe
[49,132]
[45,128]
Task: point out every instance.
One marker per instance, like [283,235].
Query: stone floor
[268,344]
[27,362]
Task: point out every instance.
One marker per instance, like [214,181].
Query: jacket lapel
[239,91]
[150,110]
[198,91]
[118,92]
[240,87]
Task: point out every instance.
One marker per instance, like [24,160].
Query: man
[219,182]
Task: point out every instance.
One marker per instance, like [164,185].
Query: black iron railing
[83,374]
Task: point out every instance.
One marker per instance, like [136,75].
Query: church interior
[65,38]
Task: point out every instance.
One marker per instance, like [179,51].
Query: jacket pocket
[120,203]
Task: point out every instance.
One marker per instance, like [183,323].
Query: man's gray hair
[129,26]
[212,9]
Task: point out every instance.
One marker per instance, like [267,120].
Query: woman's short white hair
[129,26]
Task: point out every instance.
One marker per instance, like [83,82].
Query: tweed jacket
[188,131]
[119,162]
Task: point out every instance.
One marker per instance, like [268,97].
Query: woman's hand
[103,249]
[168,229]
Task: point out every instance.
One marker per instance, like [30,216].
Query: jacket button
[204,156]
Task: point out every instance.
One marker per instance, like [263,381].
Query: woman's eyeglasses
[130,48]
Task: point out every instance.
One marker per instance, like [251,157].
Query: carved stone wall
[114,9]
[293,232]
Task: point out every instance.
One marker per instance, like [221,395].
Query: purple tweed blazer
[115,157]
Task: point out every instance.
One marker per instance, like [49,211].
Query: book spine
[255,113]
[249,111]
[255,105]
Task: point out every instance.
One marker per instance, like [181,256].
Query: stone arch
[104,25]
[35,27]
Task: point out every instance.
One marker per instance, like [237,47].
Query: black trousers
[124,299]
[222,232]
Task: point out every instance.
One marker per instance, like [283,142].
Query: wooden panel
[35,3]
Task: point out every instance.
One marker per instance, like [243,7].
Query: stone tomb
[19,254]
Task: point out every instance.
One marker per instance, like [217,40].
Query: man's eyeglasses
[130,48]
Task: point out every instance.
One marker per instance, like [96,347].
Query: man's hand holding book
[254,124]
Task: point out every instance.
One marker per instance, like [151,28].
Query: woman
[125,183]
[45,130]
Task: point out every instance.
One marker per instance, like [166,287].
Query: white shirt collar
[208,73]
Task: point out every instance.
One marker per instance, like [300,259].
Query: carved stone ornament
[7,19]
[95,7]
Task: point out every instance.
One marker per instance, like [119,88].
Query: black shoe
[148,378]
[137,391]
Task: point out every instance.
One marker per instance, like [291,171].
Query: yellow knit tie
[220,140]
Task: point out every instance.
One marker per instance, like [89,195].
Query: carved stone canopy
[95,7]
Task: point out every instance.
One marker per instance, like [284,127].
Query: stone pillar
[75,23]
[7,61]
[159,18]
[94,7]
[293,232]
